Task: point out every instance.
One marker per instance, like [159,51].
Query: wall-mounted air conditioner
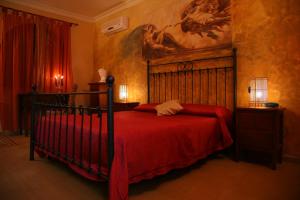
[115,25]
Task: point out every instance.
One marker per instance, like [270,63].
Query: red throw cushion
[208,110]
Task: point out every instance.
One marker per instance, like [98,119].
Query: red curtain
[53,39]
[33,50]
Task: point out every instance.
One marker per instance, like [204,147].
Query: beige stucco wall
[267,35]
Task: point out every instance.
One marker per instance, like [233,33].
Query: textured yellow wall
[266,33]
[82,43]
[108,49]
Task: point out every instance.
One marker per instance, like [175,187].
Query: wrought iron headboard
[208,80]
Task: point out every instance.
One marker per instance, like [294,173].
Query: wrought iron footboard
[54,130]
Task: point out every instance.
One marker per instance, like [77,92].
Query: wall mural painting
[201,24]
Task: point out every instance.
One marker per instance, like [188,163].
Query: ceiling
[88,10]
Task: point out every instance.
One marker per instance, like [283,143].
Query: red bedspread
[147,145]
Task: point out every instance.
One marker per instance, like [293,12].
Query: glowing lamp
[123,93]
[58,80]
[258,92]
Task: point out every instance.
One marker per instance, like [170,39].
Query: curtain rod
[71,23]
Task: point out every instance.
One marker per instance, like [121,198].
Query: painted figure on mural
[205,18]
[155,38]
[200,24]
[157,43]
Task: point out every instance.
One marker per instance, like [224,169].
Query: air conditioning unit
[115,25]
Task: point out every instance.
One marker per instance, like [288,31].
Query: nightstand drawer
[255,121]
[260,129]
[256,140]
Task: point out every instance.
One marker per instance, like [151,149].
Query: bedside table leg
[237,153]
[273,166]
[280,155]
[274,160]
[280,160]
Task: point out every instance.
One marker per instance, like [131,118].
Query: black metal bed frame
[187,70]
[58,109]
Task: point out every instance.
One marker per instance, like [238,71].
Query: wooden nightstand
[260,130]
[98,99]
[118,106]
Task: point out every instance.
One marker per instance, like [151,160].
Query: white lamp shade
[258,91]
[123,92]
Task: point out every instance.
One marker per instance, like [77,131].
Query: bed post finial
[110,81]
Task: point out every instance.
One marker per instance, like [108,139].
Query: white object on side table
[103,74]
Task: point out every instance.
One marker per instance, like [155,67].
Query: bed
[127,147]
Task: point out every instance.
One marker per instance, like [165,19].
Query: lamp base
[271,105]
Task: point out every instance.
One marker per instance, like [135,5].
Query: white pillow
[168,108]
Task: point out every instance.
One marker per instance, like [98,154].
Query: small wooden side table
[98,99]
[260,130]
[126,106]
